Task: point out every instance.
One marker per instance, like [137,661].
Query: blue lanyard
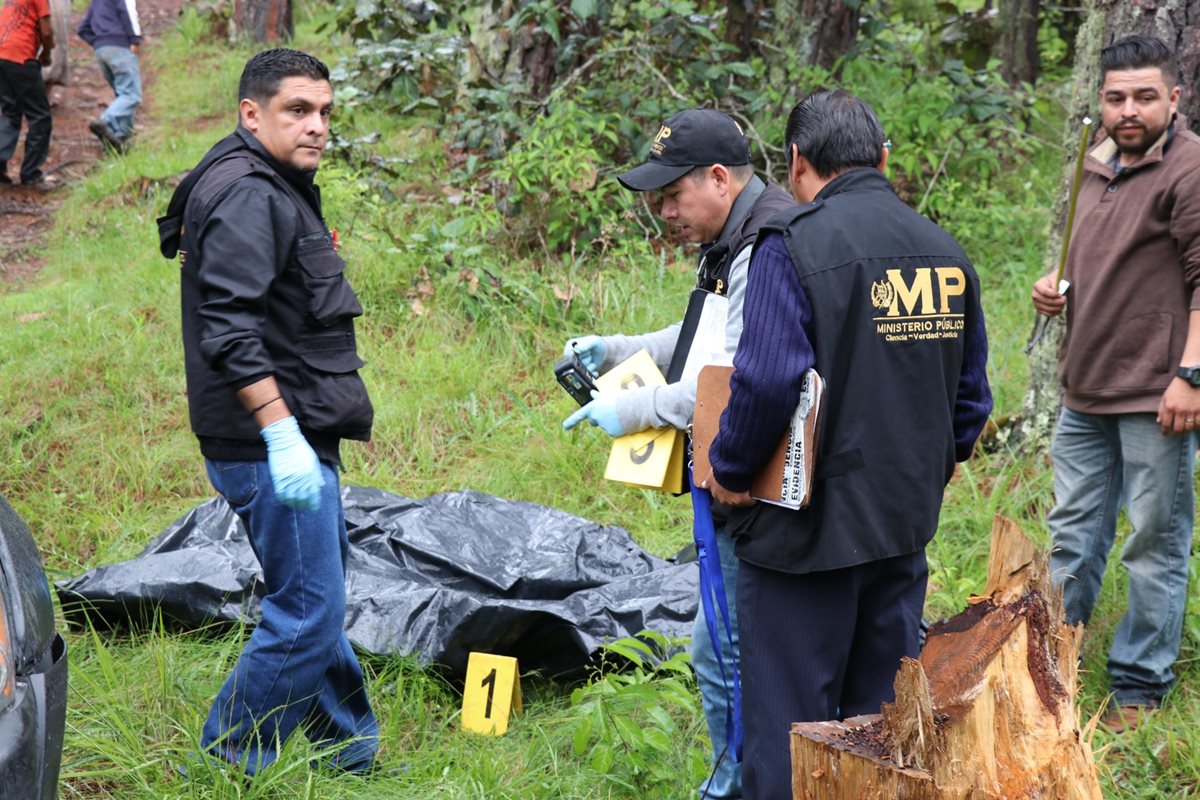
[712,584]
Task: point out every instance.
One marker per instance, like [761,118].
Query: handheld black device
[575,378]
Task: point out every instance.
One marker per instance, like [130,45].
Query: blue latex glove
[603,412]
[591,350]
[295,469]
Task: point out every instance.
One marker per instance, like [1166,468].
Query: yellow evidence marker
[492,692]
[653,458]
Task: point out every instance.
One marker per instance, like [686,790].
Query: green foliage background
[483,227]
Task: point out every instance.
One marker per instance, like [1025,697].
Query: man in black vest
[885,306]
[273,387]
[700,161]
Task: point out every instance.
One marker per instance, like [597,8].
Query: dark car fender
[31,729]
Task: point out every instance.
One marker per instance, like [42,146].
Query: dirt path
[27,214]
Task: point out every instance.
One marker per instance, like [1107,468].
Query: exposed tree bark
[1018,40]
[264,21]
[740,25]
[819,31]
[1177,22]
[498,55]
[488,53]
[986,713]
[60,21]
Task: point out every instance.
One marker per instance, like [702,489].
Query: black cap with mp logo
[697,137]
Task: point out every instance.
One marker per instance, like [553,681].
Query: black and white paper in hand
[795,486]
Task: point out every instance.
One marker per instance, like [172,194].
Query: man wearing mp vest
[700,161]
[885,306]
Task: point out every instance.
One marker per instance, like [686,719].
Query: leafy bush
[409,74]
[368,20]
[597,77]
[550,181]
[628,723]
[518,137]
[205,22]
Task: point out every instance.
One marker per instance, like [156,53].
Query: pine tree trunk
[506,56]
[987,712]
[822,31]
[1043,398]
[1018,43]
[263,21]
[740,26]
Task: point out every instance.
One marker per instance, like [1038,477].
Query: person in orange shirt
[26,42]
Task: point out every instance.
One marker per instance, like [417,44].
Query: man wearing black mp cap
[700,161]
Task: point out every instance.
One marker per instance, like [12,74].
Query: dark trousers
[820,646]
[23,94]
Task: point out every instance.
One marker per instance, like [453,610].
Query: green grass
[99,458]
[138,704]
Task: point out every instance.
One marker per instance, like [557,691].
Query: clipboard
[787,478]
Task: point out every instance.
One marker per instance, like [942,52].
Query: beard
[1134,138]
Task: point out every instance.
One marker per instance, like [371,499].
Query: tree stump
[986,713]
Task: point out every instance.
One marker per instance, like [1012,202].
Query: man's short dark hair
[741,173]
[1138,52]
[834,131]
[266,70]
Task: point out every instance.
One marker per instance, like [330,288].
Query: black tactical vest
[891,295]
[307,327]
[713,272]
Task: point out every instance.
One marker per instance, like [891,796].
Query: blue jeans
[716,692]
[119,66]
[297,670]
[1100,461]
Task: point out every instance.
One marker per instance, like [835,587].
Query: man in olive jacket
[268,335]
[1130,370]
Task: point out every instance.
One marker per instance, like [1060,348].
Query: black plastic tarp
[437,578]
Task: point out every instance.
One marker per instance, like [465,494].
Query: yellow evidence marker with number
[492,693]
[649,459]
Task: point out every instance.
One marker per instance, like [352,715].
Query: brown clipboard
[772,484]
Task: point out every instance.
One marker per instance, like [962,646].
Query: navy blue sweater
[111,22]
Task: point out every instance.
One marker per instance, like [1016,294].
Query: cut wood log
[986,713]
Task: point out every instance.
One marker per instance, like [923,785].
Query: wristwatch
[1191,375]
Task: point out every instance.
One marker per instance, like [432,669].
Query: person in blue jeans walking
[1130,370]
[700,162]
[112,29]
[273,388]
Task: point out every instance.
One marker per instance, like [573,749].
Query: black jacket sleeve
[243,246]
